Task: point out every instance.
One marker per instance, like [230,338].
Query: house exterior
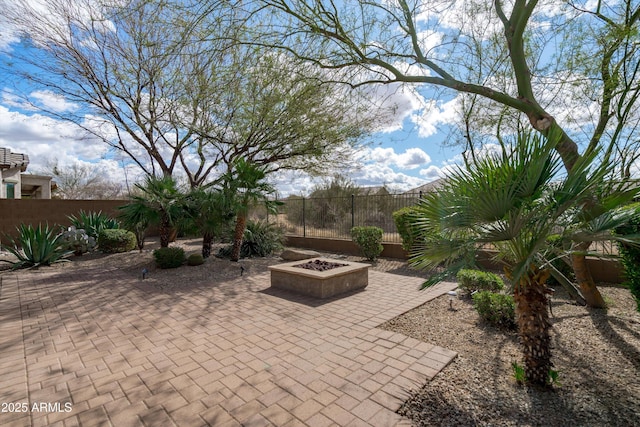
[17,185]
[427,188]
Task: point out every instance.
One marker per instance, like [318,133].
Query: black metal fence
[333,217]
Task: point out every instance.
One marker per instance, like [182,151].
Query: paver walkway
[78,348]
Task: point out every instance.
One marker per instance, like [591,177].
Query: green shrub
[476,280]
[261,239]
[36,246]
[93,222]
[116,240]
[630,255]
[195,259]
[404,219]
[369,240]
[169,257]
[497,309]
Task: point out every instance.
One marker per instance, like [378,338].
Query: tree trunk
[241,223]
[532,317]
[207,242]
[165,231]
[140,235]
[585,281]
[568,150]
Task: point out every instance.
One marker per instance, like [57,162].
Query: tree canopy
[168,85]
[571,65]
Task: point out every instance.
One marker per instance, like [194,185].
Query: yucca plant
[93,222]
[261,239]
[36,246]
[514,201]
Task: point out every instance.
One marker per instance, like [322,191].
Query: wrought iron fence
[333,217]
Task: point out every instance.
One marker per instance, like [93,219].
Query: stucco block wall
[53,211]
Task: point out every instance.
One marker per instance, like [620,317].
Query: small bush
[261,239]
[116,240]
[476,280]
[195,259]
[170,257]
[497,309]
[630,255]
[404,219]
[36,246]
[369,240]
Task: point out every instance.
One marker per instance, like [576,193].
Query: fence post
[353,203]
[304,223]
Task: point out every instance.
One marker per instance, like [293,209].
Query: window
[11,190]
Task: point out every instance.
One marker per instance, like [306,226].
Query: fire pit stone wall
[320,284]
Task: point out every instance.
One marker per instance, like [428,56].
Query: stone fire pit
[334,280]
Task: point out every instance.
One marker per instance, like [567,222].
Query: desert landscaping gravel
[597,353]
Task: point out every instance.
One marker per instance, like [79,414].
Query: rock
[298,254]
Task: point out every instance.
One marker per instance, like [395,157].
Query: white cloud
[435,113]
[432,173]
[395,102]
[412,158]
[43,138]
[53,102]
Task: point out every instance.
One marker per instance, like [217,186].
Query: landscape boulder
[298,254]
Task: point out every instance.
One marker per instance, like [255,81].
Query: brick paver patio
[82,348]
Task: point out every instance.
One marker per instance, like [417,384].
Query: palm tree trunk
[532,317]
[165,230]
[585,281]
[241,223]
[207,242]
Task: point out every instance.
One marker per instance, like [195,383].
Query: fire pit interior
[320,277]
[320,265]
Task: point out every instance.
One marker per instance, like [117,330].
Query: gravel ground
[597,352]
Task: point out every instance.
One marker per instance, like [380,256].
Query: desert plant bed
[323,283]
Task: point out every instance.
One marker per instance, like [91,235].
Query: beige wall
[41,185]
[52,211]
[13,176]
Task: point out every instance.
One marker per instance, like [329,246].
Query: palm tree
[244,182]
[160,203]
[209,211]
[514,201]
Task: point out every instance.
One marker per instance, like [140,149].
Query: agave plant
[93,222]
[37,246]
